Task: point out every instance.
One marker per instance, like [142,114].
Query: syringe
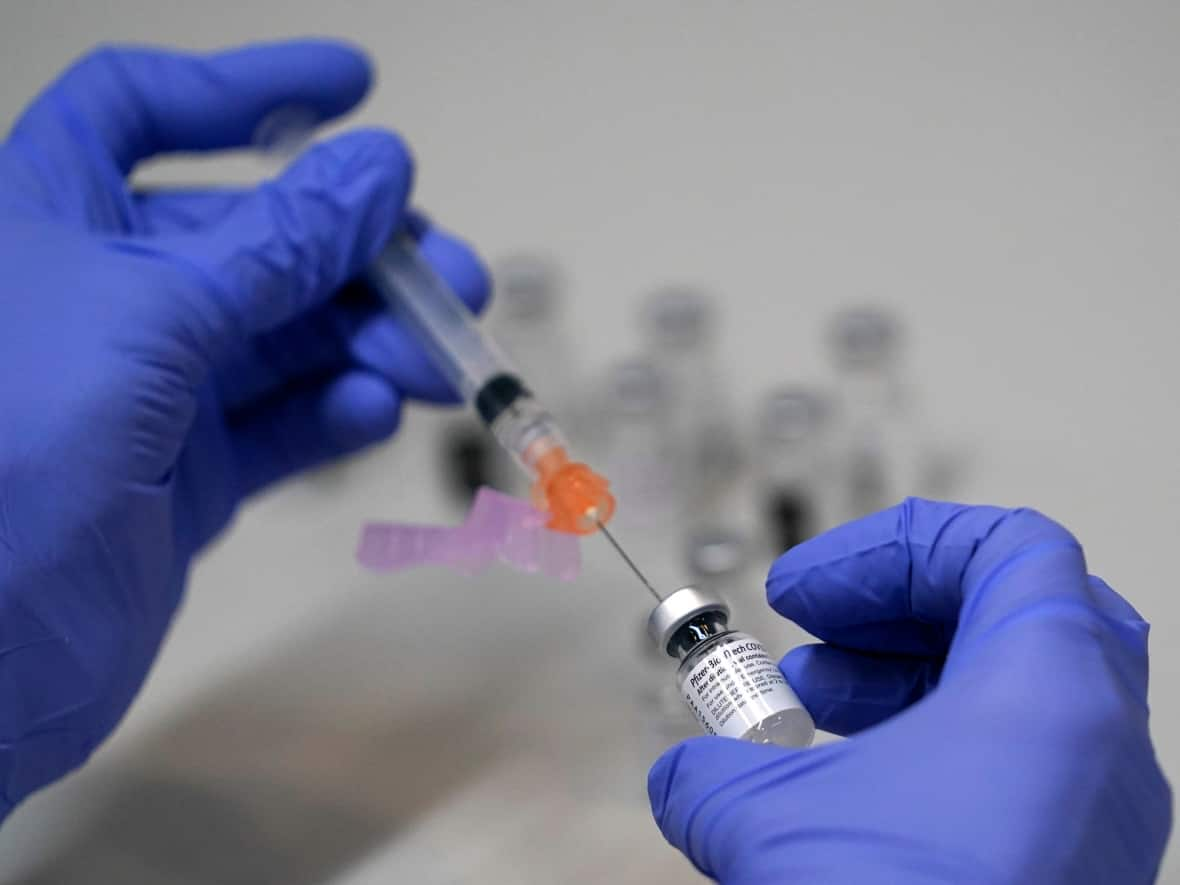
[577,499]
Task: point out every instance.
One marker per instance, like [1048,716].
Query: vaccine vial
[681,332]
[733,687]
[528,321]
[790,446]
[877,453]
[639,445]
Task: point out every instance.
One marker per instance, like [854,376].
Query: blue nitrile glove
[163,355]
[996,694]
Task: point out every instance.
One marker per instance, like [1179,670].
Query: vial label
[736,685]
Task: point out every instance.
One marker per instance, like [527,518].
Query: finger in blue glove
[997,693]
[167,353]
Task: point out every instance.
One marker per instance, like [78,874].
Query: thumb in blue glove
[996,697]
[165,354]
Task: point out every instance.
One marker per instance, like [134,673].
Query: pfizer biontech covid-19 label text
[735,685]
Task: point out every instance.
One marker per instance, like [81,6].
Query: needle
[627,559]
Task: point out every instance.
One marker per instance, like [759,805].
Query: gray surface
[1005,174]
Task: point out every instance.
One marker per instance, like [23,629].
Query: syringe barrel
[439,319]
[577,499]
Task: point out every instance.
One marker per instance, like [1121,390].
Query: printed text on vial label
[736,686]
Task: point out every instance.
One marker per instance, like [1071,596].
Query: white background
[1004,174]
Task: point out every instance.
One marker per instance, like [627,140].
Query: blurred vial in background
[876,447]
[680,330]
[716,558]
[527,319]
[637,453]
[469,459]
[638,449]
[790,466]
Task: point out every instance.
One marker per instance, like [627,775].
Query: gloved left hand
[163,355]
[996,697]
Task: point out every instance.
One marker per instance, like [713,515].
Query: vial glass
[639,445]
[681,332]
[877,453]
[528,320]
[790,426]
[727,678]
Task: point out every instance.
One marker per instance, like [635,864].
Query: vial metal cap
[527,287]
[636,388]
[791,415]
[677,610]
[865,337]
[679,317]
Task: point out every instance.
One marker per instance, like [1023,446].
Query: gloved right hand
[165,354]
[996,694]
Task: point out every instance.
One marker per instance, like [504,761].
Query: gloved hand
[163,355]
[996,694]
